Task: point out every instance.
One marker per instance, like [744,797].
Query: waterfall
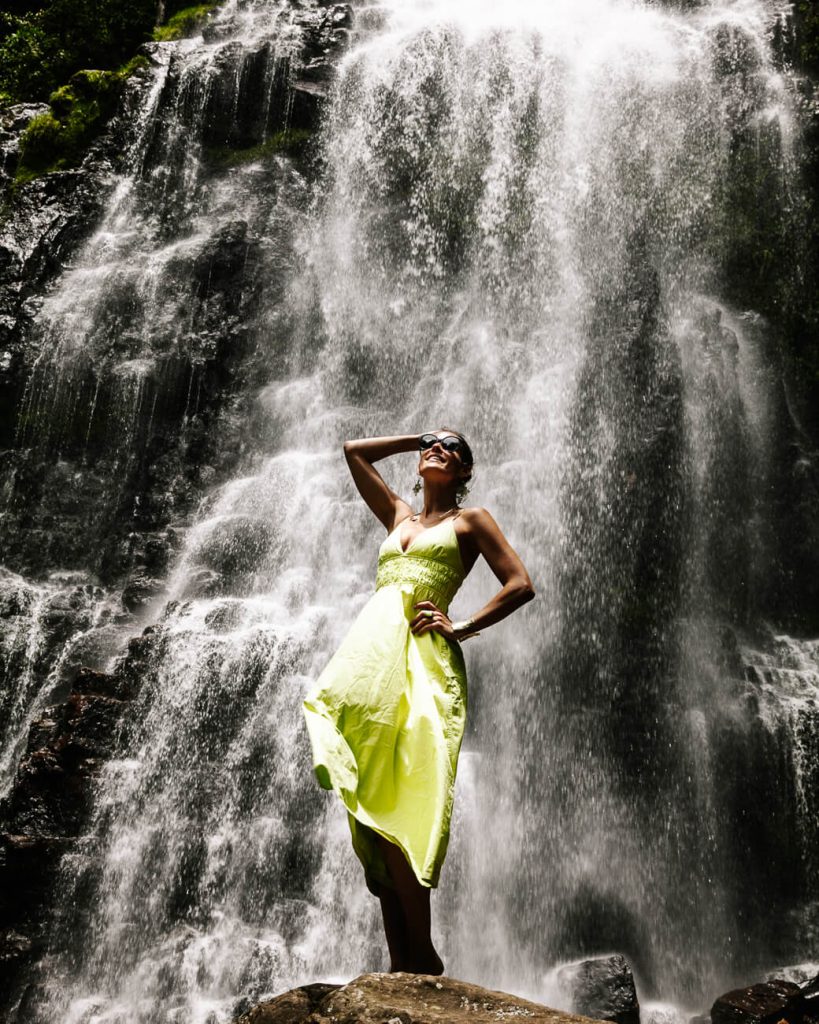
[522,221]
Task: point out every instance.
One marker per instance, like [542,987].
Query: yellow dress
[386,716]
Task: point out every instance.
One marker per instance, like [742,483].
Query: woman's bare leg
[395,927]
[421,956]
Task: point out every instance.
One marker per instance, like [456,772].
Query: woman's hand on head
[430,617]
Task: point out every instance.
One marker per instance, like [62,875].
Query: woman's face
[437,463]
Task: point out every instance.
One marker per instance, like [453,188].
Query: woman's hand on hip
[430,617]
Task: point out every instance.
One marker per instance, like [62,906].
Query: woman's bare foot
[430,963]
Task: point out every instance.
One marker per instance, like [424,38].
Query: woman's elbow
[525,591]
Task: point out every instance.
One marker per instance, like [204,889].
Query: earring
[418,486]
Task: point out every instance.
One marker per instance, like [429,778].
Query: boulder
[766,1002]
[602,988]
[401,998]
[788,996]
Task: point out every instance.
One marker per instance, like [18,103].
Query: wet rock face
[43,223]
[404,998]
[48,806]
[40,627]
[227,555]
[45,219]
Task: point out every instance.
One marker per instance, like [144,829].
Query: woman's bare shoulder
[477,516]
[483,531]
[478,521]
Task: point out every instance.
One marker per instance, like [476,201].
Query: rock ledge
[401,999]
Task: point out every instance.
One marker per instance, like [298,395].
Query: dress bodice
[431,562]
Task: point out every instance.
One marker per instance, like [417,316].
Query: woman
[386,717]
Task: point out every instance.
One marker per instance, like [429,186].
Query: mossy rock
[79,110]
[40,140]
[186,22]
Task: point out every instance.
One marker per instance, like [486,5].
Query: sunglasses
[450,443]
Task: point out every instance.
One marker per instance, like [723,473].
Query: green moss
[79,110]
[186,22]
[288,141]
[291,142]
[139,63]
[40,139]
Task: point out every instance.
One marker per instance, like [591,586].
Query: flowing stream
[520,225]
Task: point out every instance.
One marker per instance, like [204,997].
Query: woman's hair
[467,460]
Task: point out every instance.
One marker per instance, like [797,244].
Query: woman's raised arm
[360,456]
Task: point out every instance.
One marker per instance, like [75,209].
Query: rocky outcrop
[401,999]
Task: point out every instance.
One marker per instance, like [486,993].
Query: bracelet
[468,626]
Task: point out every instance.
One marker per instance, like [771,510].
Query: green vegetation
[43,44]
[290,141]
[184,23]
[59,138]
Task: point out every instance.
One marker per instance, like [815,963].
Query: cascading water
[522,225]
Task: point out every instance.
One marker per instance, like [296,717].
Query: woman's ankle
[425,962]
